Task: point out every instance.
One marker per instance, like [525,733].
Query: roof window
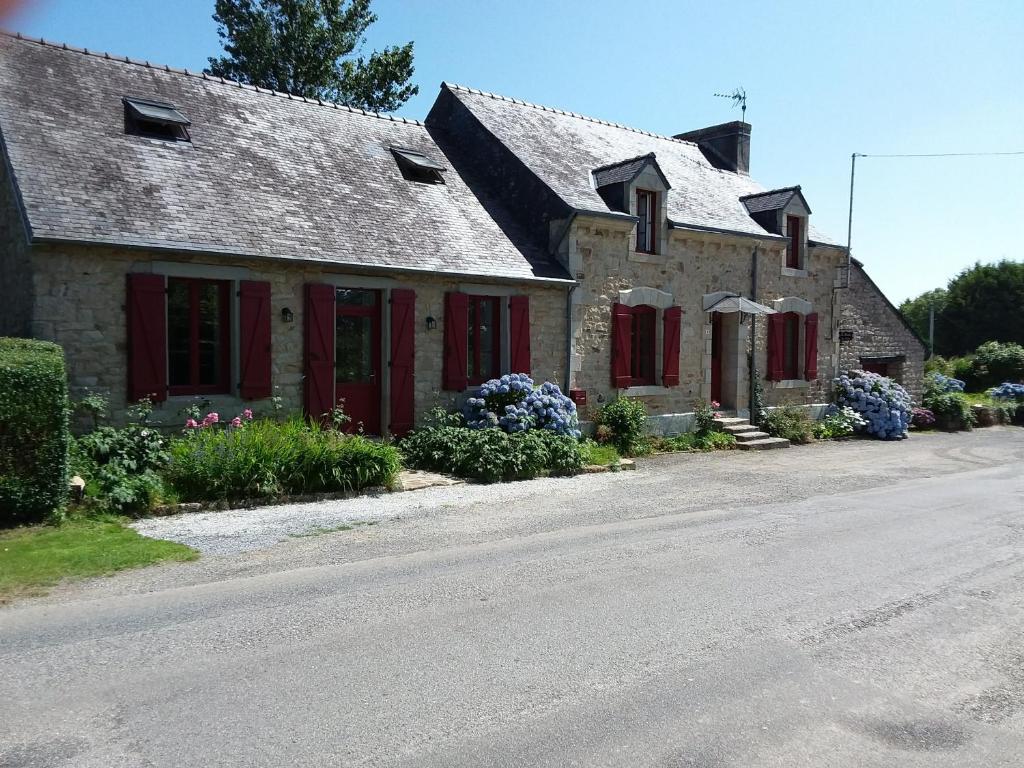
[416,166]
[155,120]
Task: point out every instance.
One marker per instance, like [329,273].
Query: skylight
[155,119]
[416,166]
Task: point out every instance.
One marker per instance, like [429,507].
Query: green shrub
[939,364]
[34,434]
[963,369]
[952,409]
[490,455]
[267,458]
[695,441]
[599,454]
[994,363]
[623,423]
[789,422]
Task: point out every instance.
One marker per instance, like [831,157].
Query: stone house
[186,237]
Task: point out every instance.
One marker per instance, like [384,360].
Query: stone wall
[81,296]
[600,253]
[15,271]
[879,331]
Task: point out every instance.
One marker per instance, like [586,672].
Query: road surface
[854,604]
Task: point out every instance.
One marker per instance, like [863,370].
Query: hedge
[34,434]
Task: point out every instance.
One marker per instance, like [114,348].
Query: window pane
[178,333]
[355,297]
[641,227]
[790,346]
[354,349]
[210,350]
[488,334]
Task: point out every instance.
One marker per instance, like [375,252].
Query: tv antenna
[739,99]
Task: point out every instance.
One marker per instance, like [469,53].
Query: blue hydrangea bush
[947,383]
[513,404]
[884,404]
[1007,391]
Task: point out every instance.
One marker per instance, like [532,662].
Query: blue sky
[823,79]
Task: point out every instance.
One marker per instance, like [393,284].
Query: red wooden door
[357,357]
[716,356]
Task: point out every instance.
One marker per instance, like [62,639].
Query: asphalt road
[856,604]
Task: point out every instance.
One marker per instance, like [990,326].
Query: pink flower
[191,424]
[715,404]
[211,418]
[236,422]
[247,413]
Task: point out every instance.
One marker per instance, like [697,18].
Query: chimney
[726,146]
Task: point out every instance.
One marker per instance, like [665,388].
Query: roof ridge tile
[176,71]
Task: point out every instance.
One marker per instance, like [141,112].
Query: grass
[691,441]
[599,454]
[332,529]
[36,558]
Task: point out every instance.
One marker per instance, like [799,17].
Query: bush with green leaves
[34,433]
[264,458]
[952,409]
[623,423]
[121,466]
[445,444]
[695,442]
[995,363]
[789,421]
[838,422]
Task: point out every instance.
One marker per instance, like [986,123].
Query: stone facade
[601,255]
[15,272]
[879,333]
[80,298]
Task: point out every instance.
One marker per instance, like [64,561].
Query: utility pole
[931,329]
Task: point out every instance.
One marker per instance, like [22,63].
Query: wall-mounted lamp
[431,323]
[286,315]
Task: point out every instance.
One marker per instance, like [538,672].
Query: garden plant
[883,403]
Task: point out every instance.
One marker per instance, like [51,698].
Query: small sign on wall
[845,334]
[578,396]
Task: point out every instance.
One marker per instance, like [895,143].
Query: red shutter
[319,327]
[456,343]
[670,346]
[622,337]
[403,356]
[147,337]
[776,328]
[254,339]
[811,347]
[519,334]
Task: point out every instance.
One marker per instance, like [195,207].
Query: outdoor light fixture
[286,315]
[431,323]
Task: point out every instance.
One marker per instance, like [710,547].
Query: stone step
[749,437]
[764,444]
[738,429]
[727,421]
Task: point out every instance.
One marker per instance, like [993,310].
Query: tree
[985,303]
[917,311]
[310,48]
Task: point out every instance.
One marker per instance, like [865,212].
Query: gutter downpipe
[753,337]
[568,304]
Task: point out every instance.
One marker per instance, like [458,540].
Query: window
[647,227]
[483,358]
[416,166]
[791,346]
[642,340]
[155,119]
[198,336]
[794,230]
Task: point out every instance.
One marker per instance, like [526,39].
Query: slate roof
[772,200]
[561,148]
[266,175]
[626,171]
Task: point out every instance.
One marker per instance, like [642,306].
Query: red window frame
[646,228]
[794,229]
[642,355]
[475,372]
[791,346]
[193,387]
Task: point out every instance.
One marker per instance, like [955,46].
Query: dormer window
[647,227]
[155,120]
[416,166]
[795,235]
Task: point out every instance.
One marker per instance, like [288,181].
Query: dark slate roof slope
[627,170]
[561,148]
[772,200]
[266,175]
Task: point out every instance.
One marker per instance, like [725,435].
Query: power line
[948,154]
